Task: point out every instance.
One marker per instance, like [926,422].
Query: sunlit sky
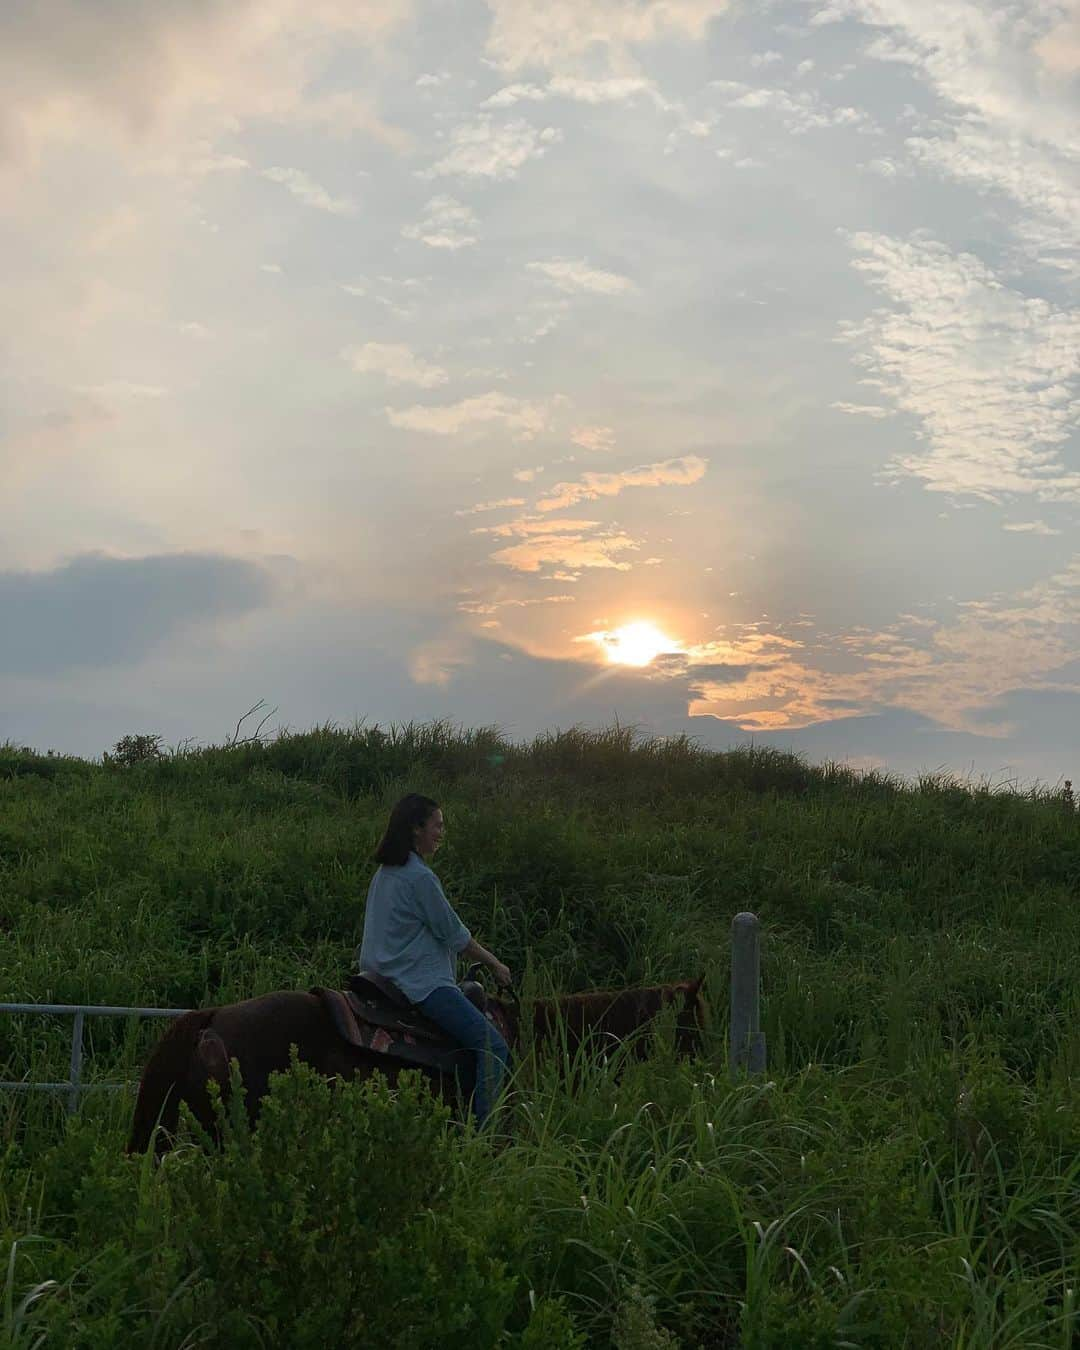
[713,367]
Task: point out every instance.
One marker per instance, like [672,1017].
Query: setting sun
[636,644]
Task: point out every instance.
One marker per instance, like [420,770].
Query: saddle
[373,1014]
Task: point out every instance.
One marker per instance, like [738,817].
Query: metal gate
[80,1012]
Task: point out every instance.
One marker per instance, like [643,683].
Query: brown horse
[259,1032]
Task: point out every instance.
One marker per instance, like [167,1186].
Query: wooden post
[747,1038]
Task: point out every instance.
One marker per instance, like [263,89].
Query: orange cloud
[669,472]
[571,550]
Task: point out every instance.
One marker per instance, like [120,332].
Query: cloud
[446,224]
[1047,188]
[525,526]
[1059,49]
[309,192]
[486,149]
[438,661]
[593,438]
[1018,126]
[123,389]
[1030,527]
[396,363]
[990,373]
[954,671]
[567,34]
[573,543]
[103,611]
[345,113]
[570,275]
[524,419]
[864,409]
[615,90]
[669,472]
[571,550]
[800,110]
[491,506]
[148,74]
[598,92]
[490,606]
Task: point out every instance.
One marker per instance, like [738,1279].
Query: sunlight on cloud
[446,224]
[306,190]
[593,438]
[863,409]
[525,526]
[1030,527]
[396,363]
[486,149]
[490,606]
[570,549]
[524,419]
[800,111]
[438,661]
[570,275]
[952,672]
[637,643]
[490,506]
[668,473]
[615,90]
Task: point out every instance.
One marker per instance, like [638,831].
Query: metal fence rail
[80,1012]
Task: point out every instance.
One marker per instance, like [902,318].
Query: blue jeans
[451,1010]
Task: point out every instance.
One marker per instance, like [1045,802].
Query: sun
[636,644]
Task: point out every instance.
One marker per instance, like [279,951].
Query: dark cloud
[101,611]
[719,672]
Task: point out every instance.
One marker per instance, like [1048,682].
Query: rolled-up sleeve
[438,916]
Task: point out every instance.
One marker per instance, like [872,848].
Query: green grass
[906,1174]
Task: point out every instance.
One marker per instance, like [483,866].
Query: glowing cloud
[668,473]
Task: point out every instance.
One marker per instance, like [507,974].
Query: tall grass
[906,1174]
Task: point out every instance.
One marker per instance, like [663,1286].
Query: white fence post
[747,1038]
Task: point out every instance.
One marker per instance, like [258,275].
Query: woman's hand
[474,952]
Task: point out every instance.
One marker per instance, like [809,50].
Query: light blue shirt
[411,934]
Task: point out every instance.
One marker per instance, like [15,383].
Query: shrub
[130,750]
[356,1242]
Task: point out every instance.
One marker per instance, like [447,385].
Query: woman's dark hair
[412,812]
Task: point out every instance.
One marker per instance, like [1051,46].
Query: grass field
[907,1172]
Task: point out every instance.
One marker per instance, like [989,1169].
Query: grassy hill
[905,1174]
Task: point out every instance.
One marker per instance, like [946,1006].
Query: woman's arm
[472,951]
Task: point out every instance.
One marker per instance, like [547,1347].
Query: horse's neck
[582,1012]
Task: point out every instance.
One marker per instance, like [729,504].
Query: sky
[710,367]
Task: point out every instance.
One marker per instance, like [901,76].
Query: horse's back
[258,1032]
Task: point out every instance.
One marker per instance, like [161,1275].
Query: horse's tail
[165,1077]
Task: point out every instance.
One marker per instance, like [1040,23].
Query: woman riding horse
[412,937]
